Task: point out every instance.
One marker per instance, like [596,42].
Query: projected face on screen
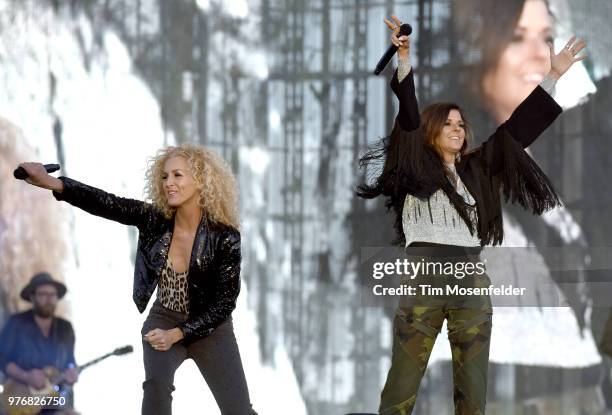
[522,64]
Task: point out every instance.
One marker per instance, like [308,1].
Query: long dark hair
[411,162]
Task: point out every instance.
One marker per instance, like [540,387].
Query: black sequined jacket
[403,164]
[214,267]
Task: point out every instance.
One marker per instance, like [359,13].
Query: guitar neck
[60,378]
[117,352]
[93,362]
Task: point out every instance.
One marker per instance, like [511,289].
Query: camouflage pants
[415,333]
[415,330]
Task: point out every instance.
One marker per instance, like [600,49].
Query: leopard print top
[172,291]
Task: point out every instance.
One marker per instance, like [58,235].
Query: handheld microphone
[21,174]
[405,30]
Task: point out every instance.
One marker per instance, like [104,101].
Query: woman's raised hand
[403,42]
[561,62]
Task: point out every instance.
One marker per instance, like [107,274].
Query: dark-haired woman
[446,198]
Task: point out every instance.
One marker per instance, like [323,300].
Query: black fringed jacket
[501,163]
[214,266]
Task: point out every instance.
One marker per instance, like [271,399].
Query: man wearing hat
[37,339]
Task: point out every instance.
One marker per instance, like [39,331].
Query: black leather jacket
[214,267]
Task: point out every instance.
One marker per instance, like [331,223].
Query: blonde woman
[189,248]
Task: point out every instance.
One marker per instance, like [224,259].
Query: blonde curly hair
[213,177]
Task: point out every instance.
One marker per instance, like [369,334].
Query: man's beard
[44,311]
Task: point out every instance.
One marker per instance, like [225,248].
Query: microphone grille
[405,30]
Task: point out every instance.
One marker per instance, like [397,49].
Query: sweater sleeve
[548,84]
[528,121]
[408,116]
[507,165]
[403,68]
[534,115]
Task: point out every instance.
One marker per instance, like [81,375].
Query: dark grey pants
[216,356]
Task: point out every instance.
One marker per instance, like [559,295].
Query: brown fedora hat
[42,278]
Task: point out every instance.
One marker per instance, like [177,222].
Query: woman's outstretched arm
[538,111]
[503,155]
[402,82]
[91,199]
[395,162]
[531,117]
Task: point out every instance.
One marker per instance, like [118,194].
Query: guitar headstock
[123,350]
